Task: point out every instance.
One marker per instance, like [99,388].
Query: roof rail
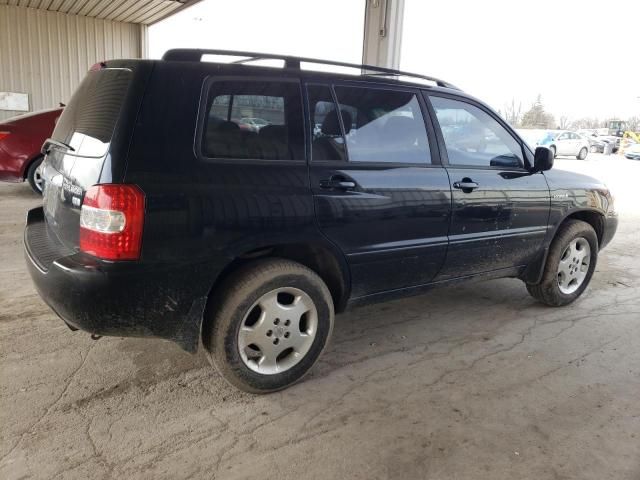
[195,55]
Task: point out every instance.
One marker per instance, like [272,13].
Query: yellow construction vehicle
[626,137]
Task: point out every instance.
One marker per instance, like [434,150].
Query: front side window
[473,137]
[383,126]
[254,120]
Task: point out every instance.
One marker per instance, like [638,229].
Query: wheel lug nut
[287,322]
[286,334]
[276,341]
[276,321]
[269,333]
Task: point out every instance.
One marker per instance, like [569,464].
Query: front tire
[268,324]
[570,265]
[553,150]
[34,175]
[582,154]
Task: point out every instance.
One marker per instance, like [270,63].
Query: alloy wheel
[574,265]
[278,331]
[38,179]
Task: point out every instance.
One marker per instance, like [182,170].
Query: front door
[564,144]
[378,191]
[500,210]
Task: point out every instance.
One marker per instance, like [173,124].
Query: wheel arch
[323,259]
[533,272]
[27,165]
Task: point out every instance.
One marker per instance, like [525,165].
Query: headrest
[273,132]
[331,126]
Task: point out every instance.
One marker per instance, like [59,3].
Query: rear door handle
[466,185]
[338,183]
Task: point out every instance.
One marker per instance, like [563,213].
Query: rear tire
[34,176]
[582,154]
[567,272]
[268,324]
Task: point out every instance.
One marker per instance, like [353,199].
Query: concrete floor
[472,382]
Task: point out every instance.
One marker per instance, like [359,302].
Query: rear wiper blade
[50,142]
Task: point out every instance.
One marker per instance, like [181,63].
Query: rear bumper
[12,168]
[118,299]
[10,175]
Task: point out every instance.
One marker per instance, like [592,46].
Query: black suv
[166,215]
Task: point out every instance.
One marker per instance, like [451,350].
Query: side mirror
[543,159]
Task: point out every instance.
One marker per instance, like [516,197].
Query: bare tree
[586,122]
[513,114]
[564,122]
[634,123]
[536,117]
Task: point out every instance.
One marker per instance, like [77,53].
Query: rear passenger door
[379,192]
[500,209]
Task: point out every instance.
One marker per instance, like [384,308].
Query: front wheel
[582,154]
[268,325]
[553,150]
[570,264]
[34,175]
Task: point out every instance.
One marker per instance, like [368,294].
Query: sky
[580,56]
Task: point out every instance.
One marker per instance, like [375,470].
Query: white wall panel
[46,54]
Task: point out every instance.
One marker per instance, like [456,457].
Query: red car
[21,139]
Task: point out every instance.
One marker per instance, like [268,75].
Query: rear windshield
[88,121]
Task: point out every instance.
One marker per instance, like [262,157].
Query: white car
[567,144]
[633,152]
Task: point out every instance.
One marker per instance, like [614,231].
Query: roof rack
[195,55]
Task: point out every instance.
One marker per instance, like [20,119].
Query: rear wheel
[570,264]
[582,154]
[34,175]
[269,324]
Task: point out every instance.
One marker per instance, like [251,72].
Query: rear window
[254,120]
[88,121]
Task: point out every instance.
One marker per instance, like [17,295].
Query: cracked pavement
[474,381]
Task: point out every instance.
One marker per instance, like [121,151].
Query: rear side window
[383,125]
[88,121]
[473,137]
[253,120]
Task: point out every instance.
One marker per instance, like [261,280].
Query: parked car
[21,138]
[566,143]
[254,124]
[597,141]
[633,152]
[160,222]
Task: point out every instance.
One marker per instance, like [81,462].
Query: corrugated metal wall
[46,54]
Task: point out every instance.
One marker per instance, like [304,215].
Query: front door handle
[338,183]
[466,185]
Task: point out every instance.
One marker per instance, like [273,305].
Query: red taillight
[4,135]
[111,222]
